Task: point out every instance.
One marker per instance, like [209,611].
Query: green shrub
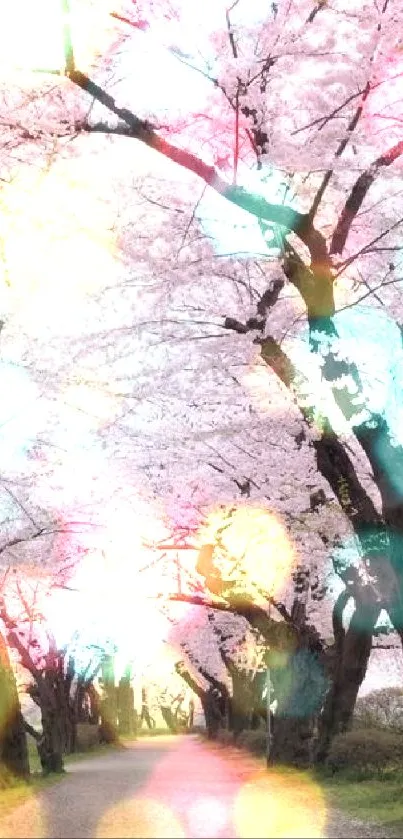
[366,753]
[87,736]
[225,737]
[253,741]
[380,709]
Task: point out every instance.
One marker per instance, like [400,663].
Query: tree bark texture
[13,741]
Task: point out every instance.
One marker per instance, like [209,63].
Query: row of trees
[71,687]
[59,684]
[338,149]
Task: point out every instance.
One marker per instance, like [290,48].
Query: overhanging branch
[358,194]
[133,127]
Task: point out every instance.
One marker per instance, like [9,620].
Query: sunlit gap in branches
[19,415]
[110,593]
[31,35]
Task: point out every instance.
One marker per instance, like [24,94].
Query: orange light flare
[199,791]
[252,550]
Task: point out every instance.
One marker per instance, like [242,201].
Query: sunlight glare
[145,818]
[279,804]
[32,37]
[257,545]
[58,245]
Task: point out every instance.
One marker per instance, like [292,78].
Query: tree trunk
[212,713]
[213,705]
[243,700]
[355,649]
[49,693]
[51,744]
[169,718]
[125,706]
[300,685]
[109,705]
[13,741]
[334,464]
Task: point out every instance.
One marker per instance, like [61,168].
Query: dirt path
[165,787]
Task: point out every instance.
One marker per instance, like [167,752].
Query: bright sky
[17,414]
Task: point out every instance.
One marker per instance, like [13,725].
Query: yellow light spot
[21,815]
[252,548]
[142,817]
[279,805]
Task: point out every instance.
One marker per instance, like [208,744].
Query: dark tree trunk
[220,697]
[243,700]
[94,703]
[352,649]
[13,741]
[351,666]
[213,705]
[125,706]
[300,685]
[109,705]
[212,713]
[51,744]
[49,694]
[169,718]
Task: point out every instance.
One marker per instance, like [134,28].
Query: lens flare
[207,811]
[252,550]
[145,818]
[25,821]
[279,805]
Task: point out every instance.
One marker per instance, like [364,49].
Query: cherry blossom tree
[307,92]
[60,678]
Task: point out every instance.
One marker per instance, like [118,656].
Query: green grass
[374,800]
[379,800]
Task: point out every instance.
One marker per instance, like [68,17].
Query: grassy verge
[375,800]
[17,791]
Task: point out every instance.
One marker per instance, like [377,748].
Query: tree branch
[16,643]
[32,731]
[332,459]
[133,127]
[358,194]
